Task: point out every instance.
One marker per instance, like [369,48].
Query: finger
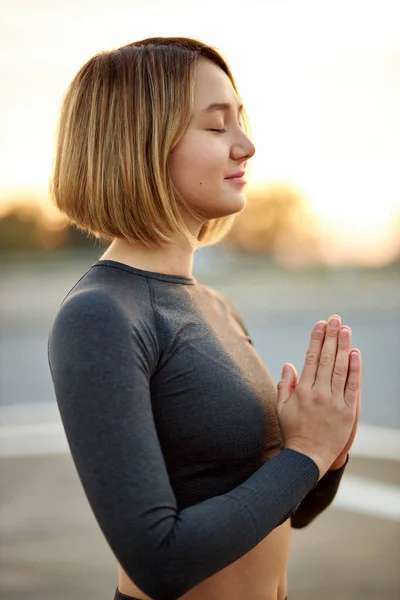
[341,366]
[355,424]
[285,385]
[295,379]
[353,384]
[327,359]
[313,352]
[358,408]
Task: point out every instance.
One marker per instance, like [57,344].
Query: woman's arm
[319,498]
[101,364]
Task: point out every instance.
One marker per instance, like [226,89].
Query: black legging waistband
[120,596]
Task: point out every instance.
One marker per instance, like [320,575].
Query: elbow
[158,581]
[154,555]
[157,571]
[298,523]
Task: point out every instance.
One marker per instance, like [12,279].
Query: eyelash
[218,130]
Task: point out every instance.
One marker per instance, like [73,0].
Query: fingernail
[355,357]
[344,333]
[334,323]
[320,326]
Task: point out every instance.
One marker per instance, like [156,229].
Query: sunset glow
[320,83]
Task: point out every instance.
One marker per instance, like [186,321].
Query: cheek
[198,159]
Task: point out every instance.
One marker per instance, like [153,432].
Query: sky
[320,80]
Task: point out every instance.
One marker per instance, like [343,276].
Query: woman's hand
[341,459]
[291,383]
[328,380]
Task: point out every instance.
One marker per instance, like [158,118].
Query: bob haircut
[121,116]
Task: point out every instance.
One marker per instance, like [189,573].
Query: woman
[194,465]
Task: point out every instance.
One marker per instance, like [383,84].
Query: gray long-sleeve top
[170,416]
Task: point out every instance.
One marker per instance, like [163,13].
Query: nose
[243,149]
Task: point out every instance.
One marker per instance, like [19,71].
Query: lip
[237,175]
[238,180]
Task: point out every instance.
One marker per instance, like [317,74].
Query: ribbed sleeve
[101,365]
[319,498]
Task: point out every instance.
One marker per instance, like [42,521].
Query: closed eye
[218,130]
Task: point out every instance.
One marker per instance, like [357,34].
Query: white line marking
[377,442]
[40,422]
[355,494]
[33,440]
[368,497]
[35,429]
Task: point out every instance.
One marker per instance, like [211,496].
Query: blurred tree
[21,230]
[396,260]
[25,226]
[277,222]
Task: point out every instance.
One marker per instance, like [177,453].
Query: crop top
[170,416]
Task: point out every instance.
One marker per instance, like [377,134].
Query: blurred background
[320,235]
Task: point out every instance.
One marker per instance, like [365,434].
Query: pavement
[50,544]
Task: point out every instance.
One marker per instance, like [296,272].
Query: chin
[228,206]
[234,206]
[223,207]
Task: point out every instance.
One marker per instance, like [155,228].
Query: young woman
[194,464]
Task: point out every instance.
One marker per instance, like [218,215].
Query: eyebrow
[214,106]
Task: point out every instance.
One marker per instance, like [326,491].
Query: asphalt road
[278,308]
[50,545]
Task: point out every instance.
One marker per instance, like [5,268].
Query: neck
[172,260]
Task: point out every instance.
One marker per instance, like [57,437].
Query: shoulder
[89,319]
[101,312]
[107,296]
[95,324]
[90,305]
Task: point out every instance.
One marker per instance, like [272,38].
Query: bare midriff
[261,574]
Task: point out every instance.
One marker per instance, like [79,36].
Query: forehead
[212,85]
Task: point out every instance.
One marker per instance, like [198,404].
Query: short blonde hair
[121,116]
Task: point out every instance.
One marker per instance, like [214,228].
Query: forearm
[319,498]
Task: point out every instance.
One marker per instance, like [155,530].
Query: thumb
[287,383]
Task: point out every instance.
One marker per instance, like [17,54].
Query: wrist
[339,464]
[320,459]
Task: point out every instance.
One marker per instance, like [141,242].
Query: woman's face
[213,148]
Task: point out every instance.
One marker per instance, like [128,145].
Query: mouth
[239,177]
[236,180]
